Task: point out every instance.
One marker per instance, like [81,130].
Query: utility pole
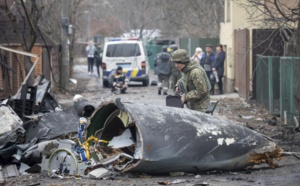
[64,68]
[88,29]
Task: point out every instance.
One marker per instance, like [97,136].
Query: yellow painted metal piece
[86,145]
[124,117]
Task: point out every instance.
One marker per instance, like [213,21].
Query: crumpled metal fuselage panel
[174,139]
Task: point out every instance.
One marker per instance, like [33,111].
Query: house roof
[9,35]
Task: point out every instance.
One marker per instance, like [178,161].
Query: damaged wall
[13,80]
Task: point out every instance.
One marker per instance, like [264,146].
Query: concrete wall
[236,18]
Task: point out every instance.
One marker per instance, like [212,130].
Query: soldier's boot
[165,90]
[159,86]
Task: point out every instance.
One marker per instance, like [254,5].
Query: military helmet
[173,47]
[180,56]
[164,48]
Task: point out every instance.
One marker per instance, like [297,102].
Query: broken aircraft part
[53,125]
[156,140]
[170,139]
[63,160]
[33,154]
[83,107]
[34,99]
[9,121]
[11,132]
[98,173]
[10,171]
[2,180]
[44,100]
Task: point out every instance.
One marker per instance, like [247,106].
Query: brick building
[12,69]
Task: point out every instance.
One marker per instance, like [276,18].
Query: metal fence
[190,44]
[277,83]
[155,49]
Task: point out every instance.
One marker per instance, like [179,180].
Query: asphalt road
[93,90]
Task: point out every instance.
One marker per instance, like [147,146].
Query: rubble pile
[36,135]
[32,119]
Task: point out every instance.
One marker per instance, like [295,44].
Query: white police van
[130,54]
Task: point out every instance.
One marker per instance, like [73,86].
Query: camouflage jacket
[196,86]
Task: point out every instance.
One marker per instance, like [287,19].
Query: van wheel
[146,82]
[105,84]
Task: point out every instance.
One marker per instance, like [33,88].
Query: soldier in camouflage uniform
[196,85]
[176,74]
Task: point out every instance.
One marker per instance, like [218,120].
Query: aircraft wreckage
[131,137]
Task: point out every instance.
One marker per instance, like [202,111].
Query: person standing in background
[198,54]
[163,70]
[207,63]
[90,52]
[98,58]
[218,65]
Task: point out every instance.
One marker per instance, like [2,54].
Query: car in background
[130,54]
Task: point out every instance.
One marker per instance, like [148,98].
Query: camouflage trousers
[199,105]
[163,82]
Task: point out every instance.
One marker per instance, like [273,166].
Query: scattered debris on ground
[101,142]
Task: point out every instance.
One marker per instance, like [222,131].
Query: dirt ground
[230,106]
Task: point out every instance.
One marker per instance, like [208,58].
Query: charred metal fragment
[53,125]
[24,105]
[83,107]
[168,139]
[34,99]
[11,132]
[44,100]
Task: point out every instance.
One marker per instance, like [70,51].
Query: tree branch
[282,13]
[27,16]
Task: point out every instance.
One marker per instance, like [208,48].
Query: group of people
[117,80]
[193,78]
[94,55]
[213,64]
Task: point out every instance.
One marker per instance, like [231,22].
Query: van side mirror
[149,53]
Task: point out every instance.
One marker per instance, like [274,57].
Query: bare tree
[27,13]
[200,18]
[281,15]
[51,21]
[136,15]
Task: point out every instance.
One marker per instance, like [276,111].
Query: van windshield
[123,50]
